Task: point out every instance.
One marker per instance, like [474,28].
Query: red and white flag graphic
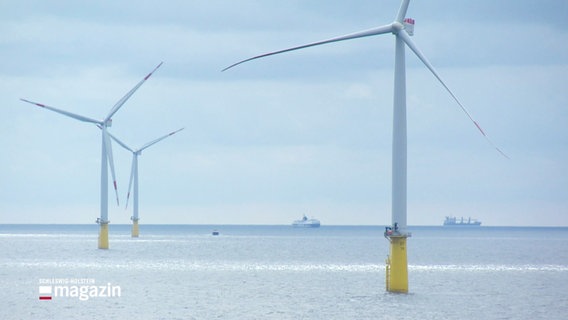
[44,292]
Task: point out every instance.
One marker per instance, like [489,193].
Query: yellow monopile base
[103,236]
[135,231]
[397,266]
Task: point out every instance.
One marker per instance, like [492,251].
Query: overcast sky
[303,132]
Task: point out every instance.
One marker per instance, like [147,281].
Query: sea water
[279,272]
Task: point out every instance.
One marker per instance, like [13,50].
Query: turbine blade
[402,11]
[63,112]
[134,155]
[129,94]
[118,141]
[108,147]
[360,34]
[406,38]
[158,140]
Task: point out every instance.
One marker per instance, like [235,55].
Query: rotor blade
[402,11]
[134,155]
[158,140]
[66,113]
[108,147]
[129,94]
[119,142]
[360,34]
[406,38]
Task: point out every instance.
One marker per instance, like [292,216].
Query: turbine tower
[106,155]
[134,176]
[402,28]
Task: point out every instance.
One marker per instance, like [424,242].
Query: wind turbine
[106,154]
[402,28]
[134,175]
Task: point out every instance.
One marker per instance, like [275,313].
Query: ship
[469,222]
[306,223]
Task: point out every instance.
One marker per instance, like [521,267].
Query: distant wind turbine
[134,175]
[402,28]
[106,155]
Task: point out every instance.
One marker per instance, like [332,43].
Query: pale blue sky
[302,132]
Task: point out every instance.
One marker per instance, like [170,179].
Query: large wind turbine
[134,175]
[402,28]
[106,155]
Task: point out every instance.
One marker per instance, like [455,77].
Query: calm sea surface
[278,272]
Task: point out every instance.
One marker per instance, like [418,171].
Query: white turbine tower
[134,175]
[402,29]
[106,155]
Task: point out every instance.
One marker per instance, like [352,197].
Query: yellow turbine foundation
[397,265]
[135,231]
[103,236]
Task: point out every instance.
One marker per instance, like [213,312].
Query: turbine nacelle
[409,26]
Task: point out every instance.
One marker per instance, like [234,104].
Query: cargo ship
[469,222]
